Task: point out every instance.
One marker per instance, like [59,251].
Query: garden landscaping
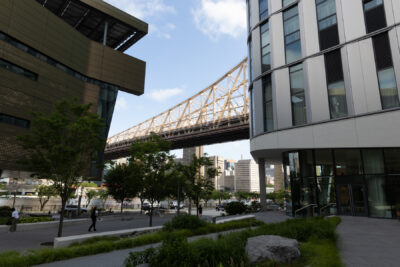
[101,245]
[316,236]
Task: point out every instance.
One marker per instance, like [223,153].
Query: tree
[103,195]
[61,146]
[152,158]
[90,194]
[45,192]
[197,185]
[220,195]
[121,183]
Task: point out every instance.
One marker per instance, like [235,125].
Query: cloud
[121,104]
[163,94]
[221,17]
[142,8]
[163,32]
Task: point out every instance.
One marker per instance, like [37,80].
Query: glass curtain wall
[268,107]
[327,23]
[252,115]
[335,83]
[265,47]
[263,9]
[298,100]
[386,76]
[292,34]
[285,3]
[374,13]
[328,177]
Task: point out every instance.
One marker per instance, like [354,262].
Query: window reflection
[265,47]
[292,35]
[388,88]
[299,116]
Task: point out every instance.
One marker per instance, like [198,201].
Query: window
[335,82]
[292,34]
[4,118]
[386,75]
[268,108]
[250,61]
[285,3]
[327,23]
[18,70]
[263,9]
[253,121]
[374,13]
[265,47]
[298,100]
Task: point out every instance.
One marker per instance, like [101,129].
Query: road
[23,240]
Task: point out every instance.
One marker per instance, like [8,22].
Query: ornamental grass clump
[184,222]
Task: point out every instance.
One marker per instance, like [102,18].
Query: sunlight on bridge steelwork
[222,105]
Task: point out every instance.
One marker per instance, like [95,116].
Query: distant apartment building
[246,176]
[219,164]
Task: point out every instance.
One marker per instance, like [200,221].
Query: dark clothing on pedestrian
[200,210]
[93,216]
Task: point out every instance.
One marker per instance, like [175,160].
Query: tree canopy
[61,146]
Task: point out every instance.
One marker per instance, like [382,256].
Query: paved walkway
[116,258]
[365,242]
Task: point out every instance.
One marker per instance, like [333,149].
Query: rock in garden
[272,247]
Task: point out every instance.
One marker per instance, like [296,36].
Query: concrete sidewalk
[365,242]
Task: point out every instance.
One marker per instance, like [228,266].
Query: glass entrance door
[352,199]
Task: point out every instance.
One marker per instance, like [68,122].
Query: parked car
[221,207]
[74,208]
[174,205]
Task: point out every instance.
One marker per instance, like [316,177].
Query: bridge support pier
[261,173]
[188,153]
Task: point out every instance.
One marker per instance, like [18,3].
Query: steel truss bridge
[219,113]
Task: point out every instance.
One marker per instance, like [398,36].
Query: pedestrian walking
[14,220]
[200,210]
[93,216]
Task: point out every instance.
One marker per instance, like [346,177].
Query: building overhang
[92,17]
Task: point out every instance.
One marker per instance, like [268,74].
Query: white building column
[261,172]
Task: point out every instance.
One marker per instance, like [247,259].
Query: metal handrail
[327,206]
[305,207]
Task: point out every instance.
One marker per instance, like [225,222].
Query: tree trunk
[79,204]
[179,200]
[151,215]
[141,205]
[197,206]
[15,196]
[122,206]
[60,225]
[43,203]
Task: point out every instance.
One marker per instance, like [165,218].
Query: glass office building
[325,102]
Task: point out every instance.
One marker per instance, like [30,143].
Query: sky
[190,45]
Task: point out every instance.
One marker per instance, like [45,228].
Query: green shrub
[184,222]
[235,208]
[4,220]
[254,207]
[317,235]
[34,219]
[5,211]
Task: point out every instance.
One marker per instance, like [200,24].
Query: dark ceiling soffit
[122,45]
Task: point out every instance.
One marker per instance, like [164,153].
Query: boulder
[272,247]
